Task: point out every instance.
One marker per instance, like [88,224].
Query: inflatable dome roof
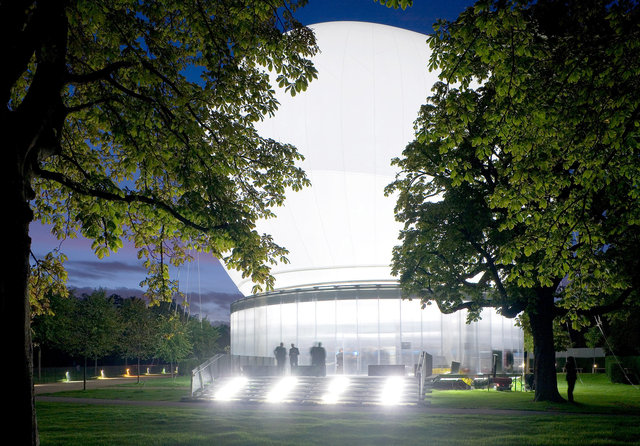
[349,124]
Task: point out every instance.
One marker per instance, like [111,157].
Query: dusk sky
[207,286]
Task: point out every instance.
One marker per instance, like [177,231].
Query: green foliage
[141,335]
[623,369]
[207,339]
[97,323]
[54,328]
[174,344]
[396,3]
[520,191]
[621,332]
[154,138]
[525,168]
[48,277]
[593,338]
[134,120]
[96,326]
[87,327]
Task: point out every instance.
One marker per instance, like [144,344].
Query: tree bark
[544,361]
[30,132]
[14,302]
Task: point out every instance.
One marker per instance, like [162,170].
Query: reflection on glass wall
[372,327]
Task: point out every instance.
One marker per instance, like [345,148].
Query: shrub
[616,374]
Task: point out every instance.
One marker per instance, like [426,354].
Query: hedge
[615,373]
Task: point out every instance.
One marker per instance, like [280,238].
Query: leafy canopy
[149,129]
[525,171]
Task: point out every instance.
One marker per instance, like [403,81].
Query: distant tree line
[110,328]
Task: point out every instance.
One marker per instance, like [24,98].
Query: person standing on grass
[572,376]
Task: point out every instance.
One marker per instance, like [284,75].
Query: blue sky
[208,288]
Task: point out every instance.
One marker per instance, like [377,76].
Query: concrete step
[352,390]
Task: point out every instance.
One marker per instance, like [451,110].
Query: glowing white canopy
[349,124]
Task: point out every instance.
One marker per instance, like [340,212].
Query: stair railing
[222,365]
[423,371]
[420,374]
[205,373]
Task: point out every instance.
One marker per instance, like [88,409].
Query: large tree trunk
[16,328]
[31,131]
[24,132]
[544,361]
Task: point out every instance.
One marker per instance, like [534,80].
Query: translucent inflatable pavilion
[337,288]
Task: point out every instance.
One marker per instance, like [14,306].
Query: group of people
[281,357]
[318,357]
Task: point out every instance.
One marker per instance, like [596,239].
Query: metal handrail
[205,373]
[420,374]
[222,365]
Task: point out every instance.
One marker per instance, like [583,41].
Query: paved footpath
[91,384]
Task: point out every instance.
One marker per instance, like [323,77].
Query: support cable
[186,298]
[199,291]
[599,324]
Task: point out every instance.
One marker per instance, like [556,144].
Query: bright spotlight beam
[337,387]
[282,389]
[231,389]
[392,390]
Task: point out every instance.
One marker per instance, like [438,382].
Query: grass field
[593,394]
[153,424]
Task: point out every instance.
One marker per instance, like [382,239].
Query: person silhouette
[293,357]
[322,360]
[281,354]
[340,362]
[572,376]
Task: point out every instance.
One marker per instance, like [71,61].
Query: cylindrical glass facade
[372,325]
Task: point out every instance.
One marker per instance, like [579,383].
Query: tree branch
[126,198]
[600,309]
[102,74]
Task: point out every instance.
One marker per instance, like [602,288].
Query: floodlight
[282,389]
[337,386]
[392,390]
[231,389]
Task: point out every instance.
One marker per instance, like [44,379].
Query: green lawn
[593,393]
[82,424]
[157,389]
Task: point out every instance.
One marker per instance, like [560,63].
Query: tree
[207,339]
[95,329]
[50,329]
[134,120]
[520,191]
[88,327]
[141,336]
[174,344]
